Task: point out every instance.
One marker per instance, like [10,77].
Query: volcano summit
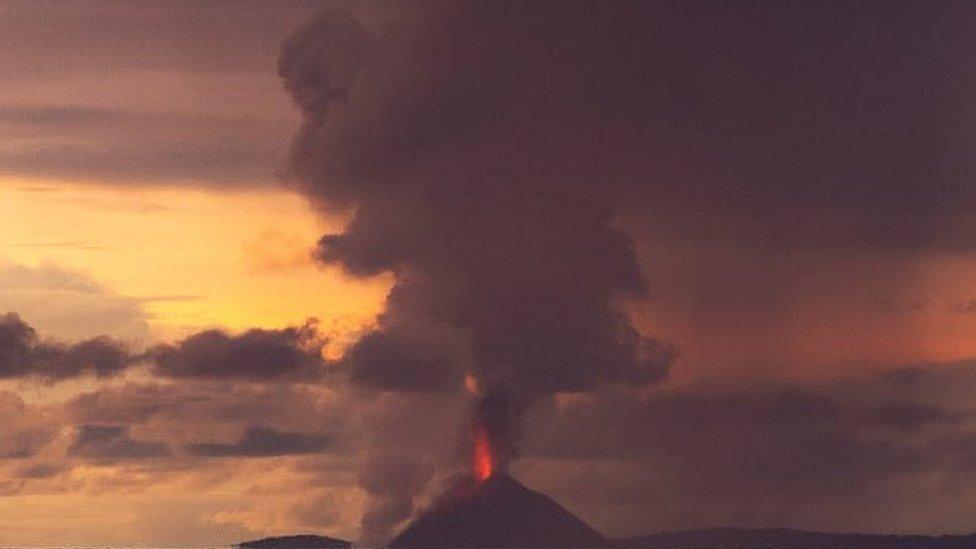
[498,513]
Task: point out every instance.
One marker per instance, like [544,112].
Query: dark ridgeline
[738,538]
[499,513]
[307,541]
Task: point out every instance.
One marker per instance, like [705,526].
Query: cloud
[22,354]
[69,305]
[254,354]
[58,116]
[38,471]
[25,430]
[257,355]
[99,115]
[912,415]
[263,441]
[161,161]
[190,404]
[843,454]
[112,442]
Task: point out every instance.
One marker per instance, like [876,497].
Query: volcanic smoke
[480,188]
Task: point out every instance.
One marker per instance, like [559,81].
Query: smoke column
[471,149]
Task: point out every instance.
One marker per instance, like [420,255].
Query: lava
[483,461]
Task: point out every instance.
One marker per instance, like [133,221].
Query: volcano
[498,513]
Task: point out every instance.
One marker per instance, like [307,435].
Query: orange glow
[483,460]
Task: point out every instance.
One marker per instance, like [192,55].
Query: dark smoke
[457,163]
[468,143]
[496,415]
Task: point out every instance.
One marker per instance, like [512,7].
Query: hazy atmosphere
[263,264]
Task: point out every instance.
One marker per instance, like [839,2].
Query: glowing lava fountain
[483,461]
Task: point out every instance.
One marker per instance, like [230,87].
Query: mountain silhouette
[499,513]
[305,541]
[737,538]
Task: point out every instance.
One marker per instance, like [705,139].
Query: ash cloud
[465,174]
[475,177]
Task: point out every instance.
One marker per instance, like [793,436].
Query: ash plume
[470,147]
[460,169]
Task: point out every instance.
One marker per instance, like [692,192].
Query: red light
[483,460]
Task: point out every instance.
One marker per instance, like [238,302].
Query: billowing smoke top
[474,174]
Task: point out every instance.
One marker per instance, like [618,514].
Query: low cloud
[787,454]
[112,442]
[255,354]
[69,305]
[22,354]
[263,441]
[293,353]
[86,143]
[25,429]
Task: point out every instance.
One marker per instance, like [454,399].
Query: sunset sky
[723,253]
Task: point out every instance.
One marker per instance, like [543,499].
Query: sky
[263,263]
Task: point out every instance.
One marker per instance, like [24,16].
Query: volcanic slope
[499,513]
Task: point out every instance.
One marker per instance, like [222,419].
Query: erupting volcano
[498,513]
[492,510]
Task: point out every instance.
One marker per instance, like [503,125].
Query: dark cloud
[112,442]
[255,354]
[912,415]
[263,441]
[23,354]
[203,404]
[775,439]
[809,455]
[38,471]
